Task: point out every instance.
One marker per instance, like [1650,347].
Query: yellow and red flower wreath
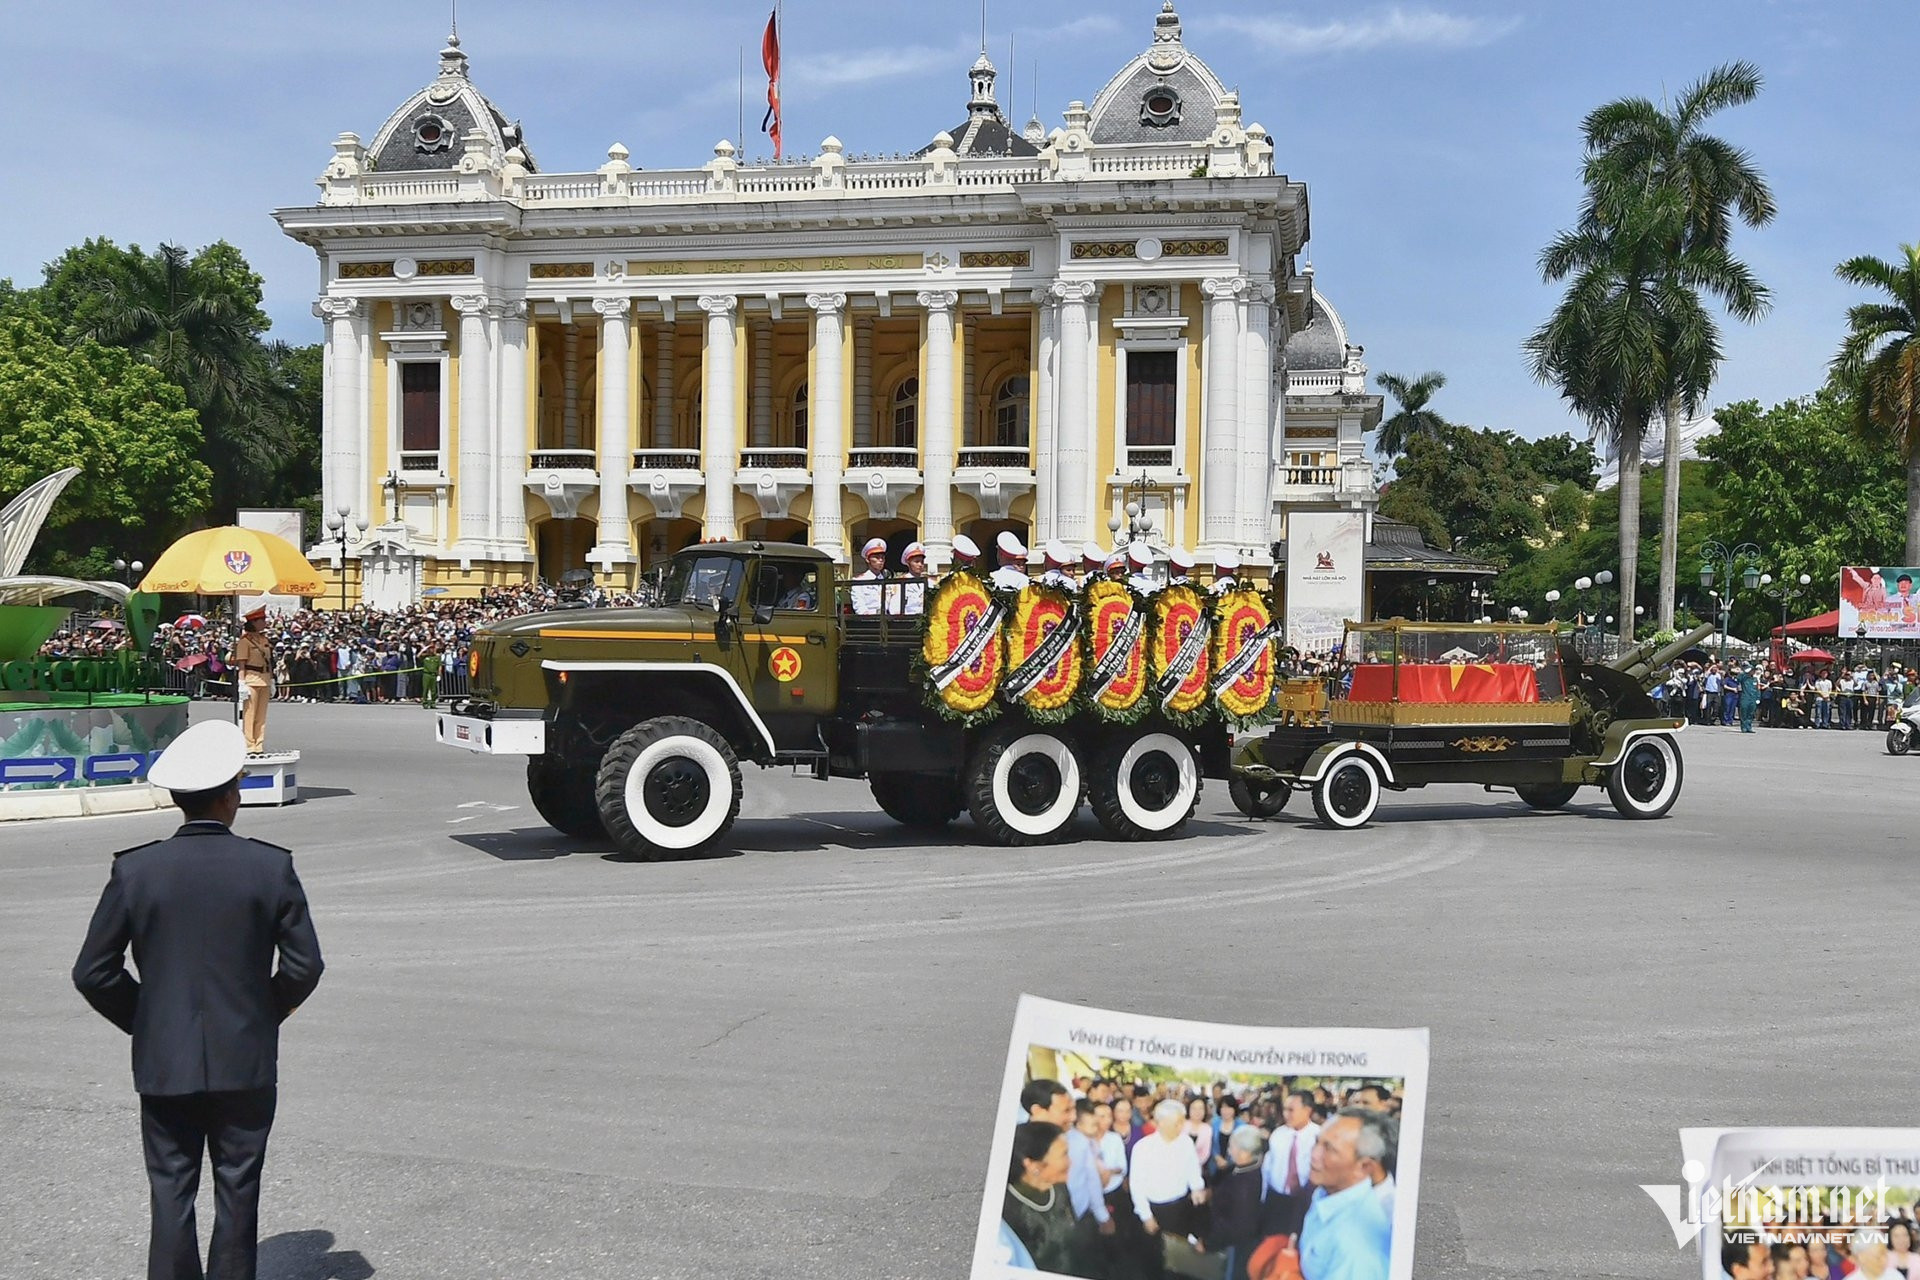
[1037,611]
[1240,618]
[1176,612]
[959,604]
[1109,608]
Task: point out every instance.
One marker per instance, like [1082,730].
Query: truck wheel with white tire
[1023,784]
[1143,786]
[668,788]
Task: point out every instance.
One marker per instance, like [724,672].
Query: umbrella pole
[233,664]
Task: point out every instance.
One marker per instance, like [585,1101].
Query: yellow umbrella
[230,560]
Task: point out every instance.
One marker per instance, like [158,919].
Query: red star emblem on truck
[784,664]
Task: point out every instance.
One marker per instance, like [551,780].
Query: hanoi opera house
[533,373]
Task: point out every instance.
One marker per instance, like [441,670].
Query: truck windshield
[703,582]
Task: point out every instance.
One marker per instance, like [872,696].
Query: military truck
[635,722]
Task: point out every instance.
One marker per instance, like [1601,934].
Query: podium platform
[271,779]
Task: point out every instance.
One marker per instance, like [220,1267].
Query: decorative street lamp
[338,532]
[1786,594]
[395,484]
[1718,553]
[128,571]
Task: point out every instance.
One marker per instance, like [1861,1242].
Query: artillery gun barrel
[1640,662]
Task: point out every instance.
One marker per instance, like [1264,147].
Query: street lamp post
[339,529]
[1714,554]
[396,485]
[128,571]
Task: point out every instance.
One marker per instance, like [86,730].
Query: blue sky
[1439,141]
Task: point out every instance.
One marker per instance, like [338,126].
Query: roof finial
[453,63]
[983,27]
[454,38]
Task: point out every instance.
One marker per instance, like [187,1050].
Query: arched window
[1010,413]
[799,417]
[906,415]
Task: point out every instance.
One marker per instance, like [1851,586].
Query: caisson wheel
[1145,787]
[923,801]
[1548,797]
[1348,792]
[1646,781]
[1899,741]
[668,788]
[564,797]
[1022,785]
[1258,798]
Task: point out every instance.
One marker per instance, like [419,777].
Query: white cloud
[865,66]
[1393,27]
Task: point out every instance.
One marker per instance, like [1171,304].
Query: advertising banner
[1128,1145]
[284,525]
[111,742]
[1326,577]
[1882,599]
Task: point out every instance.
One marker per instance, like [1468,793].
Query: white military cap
[1227,561]
[208,755]
[1059,554]
[913,549]
[1141,554]
[1010,545]
[1092,554]
[1181,559]
[1117,559]
[873,545]
[965,546]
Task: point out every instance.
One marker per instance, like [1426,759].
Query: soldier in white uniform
[1059,570]
[1226,565]
[866,599]
[1093,562]
[1116,564]
[1140,560]
[1012,573]
[913,596]
[966,553]
[1180,567]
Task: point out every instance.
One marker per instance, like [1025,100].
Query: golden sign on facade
[560,271]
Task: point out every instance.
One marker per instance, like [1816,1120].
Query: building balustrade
[909,458]
[1018,457]
[420,460]
[670,459]
[773,457]
[1312,477]
[562,460]
[1152,458]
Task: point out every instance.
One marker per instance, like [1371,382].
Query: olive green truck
[634,722]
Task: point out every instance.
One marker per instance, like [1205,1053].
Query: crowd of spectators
[1131,1180]
[1803,695]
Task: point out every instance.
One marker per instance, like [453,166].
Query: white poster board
[282,524]
[1368,1233]
[1326,577]
[1806,1186]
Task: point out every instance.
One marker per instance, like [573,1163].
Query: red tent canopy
[1820,624]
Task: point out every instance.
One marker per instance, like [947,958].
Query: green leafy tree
[1800,482]
[1470,488]
[1634,149]
[1879,362]
[126,427]
[1631,329]
[1412,420]
[197,320]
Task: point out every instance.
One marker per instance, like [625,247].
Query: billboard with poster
[1880,602]
[1326,577]
[281,524]
[1127,1145]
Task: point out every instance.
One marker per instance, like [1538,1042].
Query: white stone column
[762,435]
[863,383]
[719,433]
[473,487]
[346,402]
[1046,497]
[936,419]
[570,386]
[663,380]
[616,434]
[1256,440]
[510,505]
[1073,428]
[969,384]
[1220,460]
[826,423]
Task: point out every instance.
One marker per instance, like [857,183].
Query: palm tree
[1634,147]
[1631,334]
[1414,419]
[1880,362]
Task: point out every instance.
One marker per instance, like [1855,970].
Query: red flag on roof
[770,55]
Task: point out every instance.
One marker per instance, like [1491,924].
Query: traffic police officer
[204,912]
[252,660]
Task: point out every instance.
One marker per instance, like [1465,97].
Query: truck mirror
[763,613]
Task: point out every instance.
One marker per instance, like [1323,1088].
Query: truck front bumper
[501,734]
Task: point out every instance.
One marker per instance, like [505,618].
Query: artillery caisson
[1499,706]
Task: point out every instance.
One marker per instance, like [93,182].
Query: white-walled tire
[1023,785]
[1144,787]
[1348,792]
[1646,781]
[668,788]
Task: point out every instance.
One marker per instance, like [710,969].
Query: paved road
[530,1057]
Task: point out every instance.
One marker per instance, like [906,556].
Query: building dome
[1322,344]
[1164,95]
[985,132]
[427,131]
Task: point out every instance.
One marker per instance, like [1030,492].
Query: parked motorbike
[1906,727]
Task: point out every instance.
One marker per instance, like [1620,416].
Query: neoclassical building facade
[543,373]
